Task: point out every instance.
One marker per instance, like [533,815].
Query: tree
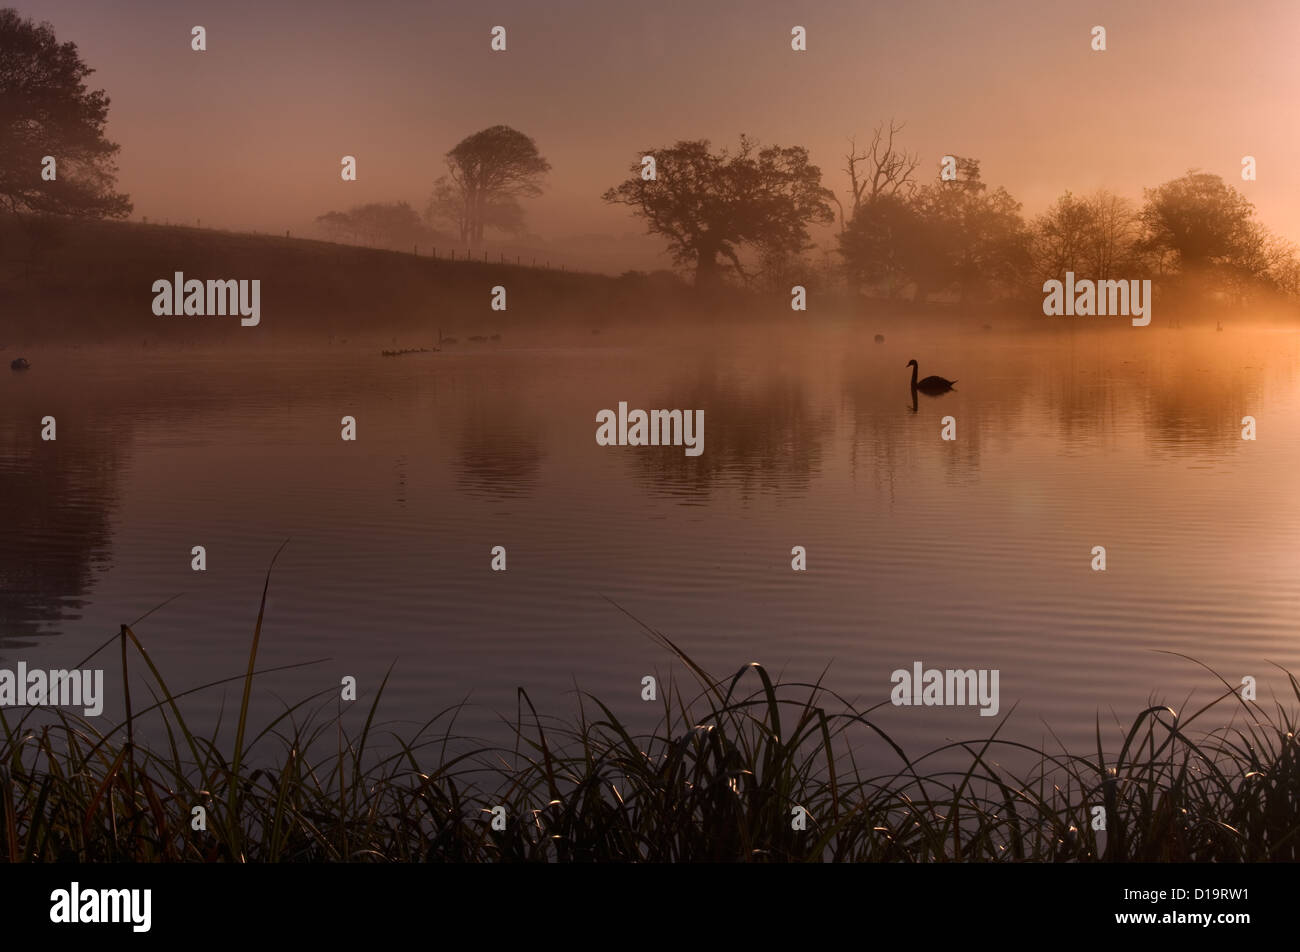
[886,242]
[1201,222]
[711,205]
[1061,237]
[1265,263]
[949,234]
[447,206]
[487,173]
[378,224]
[337,225]
[881,170]
[1282,265]
[980,243]
[1206,232]
[1097,236]
[1114,240]
[46,109]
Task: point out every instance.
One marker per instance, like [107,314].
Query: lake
[975,552]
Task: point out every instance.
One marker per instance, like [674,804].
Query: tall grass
[717,779]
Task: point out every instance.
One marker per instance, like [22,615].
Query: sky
[250,133]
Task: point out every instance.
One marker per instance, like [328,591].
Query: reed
[716,779]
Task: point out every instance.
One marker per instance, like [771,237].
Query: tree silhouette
[46,109]
[377,224]
[1201,221]
[1205,231]
[710,205]
[888,243]
[947,235]
[1096,236]
[488,173]
[881,169]
[447,205]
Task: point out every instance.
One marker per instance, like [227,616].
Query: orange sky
[250,133]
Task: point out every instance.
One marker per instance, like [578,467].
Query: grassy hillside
[86,282]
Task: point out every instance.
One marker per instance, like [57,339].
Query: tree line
[955,235]
[744,214]
[737,214]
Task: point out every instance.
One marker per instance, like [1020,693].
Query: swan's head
[911,363]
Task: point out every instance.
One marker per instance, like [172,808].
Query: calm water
[973,553]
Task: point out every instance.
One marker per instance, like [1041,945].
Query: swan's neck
[915,368]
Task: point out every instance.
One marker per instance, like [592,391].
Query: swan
[929,384]
[19,364]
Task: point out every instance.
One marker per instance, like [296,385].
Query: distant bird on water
[880,338]
[19,364]
[929,384]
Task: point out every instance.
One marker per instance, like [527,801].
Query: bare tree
[882,169]
[1113,236]
[1097,235]
[1282,264]
[1062,237]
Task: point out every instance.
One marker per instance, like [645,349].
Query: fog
[249,134]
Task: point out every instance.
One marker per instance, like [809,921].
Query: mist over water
[966,554]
